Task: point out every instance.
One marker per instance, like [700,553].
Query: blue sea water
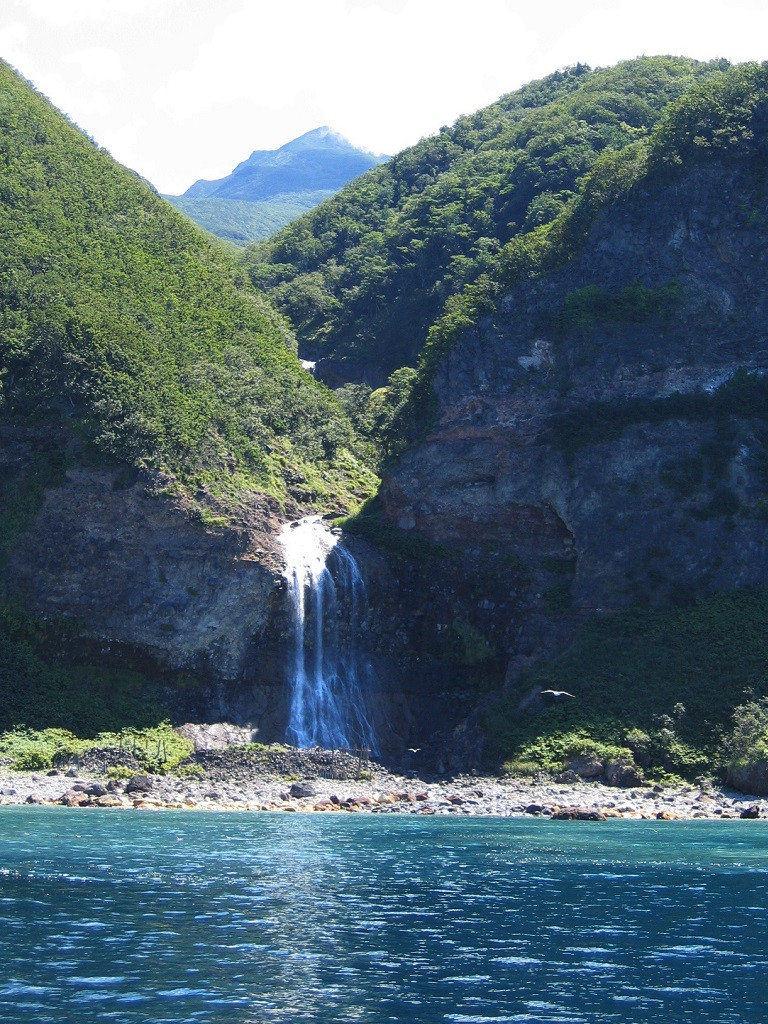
[190,917]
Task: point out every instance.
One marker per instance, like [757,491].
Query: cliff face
[148,573]
[184,588]
[600,442]
[607,426]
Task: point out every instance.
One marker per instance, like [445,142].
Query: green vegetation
[46,680]
[158,750]
[365,275]
[122,320]
[240,222]
[721,117]
[746,746]
[21,494]
[632,305]
[370,521]
[745,394]
[548,753]
[660,684]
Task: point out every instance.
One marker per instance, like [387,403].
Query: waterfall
[329,677]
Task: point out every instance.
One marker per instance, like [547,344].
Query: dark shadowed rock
[139,784]
[303,789]
[534,809]
[751,779]
[751,812]
[623,772]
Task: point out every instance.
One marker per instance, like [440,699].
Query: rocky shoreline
[322,781]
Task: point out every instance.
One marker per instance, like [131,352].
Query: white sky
[186,89]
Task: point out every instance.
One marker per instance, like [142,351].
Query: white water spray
[330,680]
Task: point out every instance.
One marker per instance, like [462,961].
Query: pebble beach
[316,782]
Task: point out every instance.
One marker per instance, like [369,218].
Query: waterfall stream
[330,680]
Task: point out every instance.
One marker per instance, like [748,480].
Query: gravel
[282,779]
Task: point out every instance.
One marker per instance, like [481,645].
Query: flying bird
[556,694]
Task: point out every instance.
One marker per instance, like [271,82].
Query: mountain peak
[321,159]
[329,138]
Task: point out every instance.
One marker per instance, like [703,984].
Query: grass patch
[635,304]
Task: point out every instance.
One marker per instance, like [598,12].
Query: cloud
[181,89]
[66,13]
[97,62]
[379,71]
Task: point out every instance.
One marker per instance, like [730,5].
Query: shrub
[747,743]
[32,760]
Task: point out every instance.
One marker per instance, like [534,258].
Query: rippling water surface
[176,917]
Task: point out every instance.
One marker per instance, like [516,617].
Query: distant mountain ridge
[320,159]
[278,184]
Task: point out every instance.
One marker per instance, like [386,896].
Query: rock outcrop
[606,428]
[146,575]
[600,442]
[140,568]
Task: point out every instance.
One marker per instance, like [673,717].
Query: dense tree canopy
[118,315]
[365,275]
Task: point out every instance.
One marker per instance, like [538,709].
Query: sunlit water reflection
[176,917]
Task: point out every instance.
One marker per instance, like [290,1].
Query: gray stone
[303,789]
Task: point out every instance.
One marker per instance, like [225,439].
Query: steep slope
[122,320]
[279,185]
[364,276]
[594,421]
[156,429]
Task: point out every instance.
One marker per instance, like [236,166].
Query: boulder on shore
[586,766]
[623,772]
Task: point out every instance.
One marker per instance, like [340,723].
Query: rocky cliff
[598,444]
[605,429]
[146,574]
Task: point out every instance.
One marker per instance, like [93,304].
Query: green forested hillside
[723,118]
[663,683]
[119,317]
[240,222]
[364,276]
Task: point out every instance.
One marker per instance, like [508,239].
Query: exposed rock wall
[560,439]
[137,565]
